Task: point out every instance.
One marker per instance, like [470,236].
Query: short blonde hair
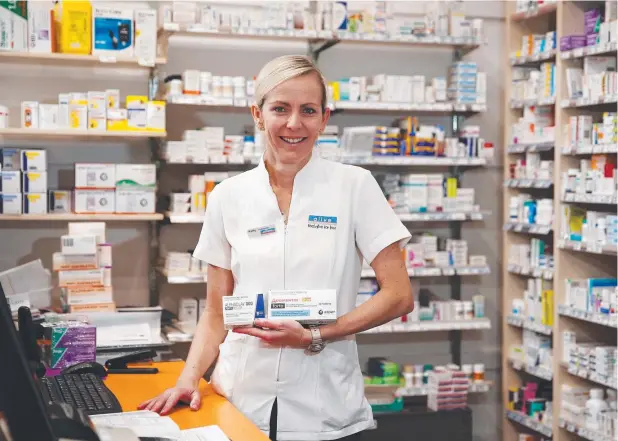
[282,69]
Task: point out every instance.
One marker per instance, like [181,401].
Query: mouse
[87,367]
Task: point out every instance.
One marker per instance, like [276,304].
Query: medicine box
[95,176]
[95,277]
[112,31]
[104,255]
[10,203]
[239,311]
[136,175]
[30,114]
[137,112]
[34,203]
[188,312]
[59,201]
[40,26]
[97,104]
[34,182]
[33,160]
[146,35]
[48,116]
[64,262]
[88,295]
[10,159]
[14,26]
[10,181]
[117,120]
[88,229]
[135,201]
[311,307]
[70,343]
[72,245]
[94,201]
[155,116]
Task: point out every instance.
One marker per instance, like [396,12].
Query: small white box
[40,26]
[104,255]
[71,262]
[94,201]
[30,114]
[112,96]
[81,278]
[135,201]
[97,104]
[10,182]
[63,111]
[35,203]
[155,116]
[72,245]
[10,203]
[48,116]
[146,35]
[95,176]
[136,175]
[187,312]
[88,229]
[33,160]
[34,182]
[88,295]
[238,311]
[309,307]
[78,116]
[97,123]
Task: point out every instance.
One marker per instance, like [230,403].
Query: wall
[22,242]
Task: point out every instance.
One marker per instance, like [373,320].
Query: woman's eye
[279,109]
[309,110]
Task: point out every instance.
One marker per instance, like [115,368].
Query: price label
[107,59]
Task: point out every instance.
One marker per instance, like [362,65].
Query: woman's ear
[256,113]
[325,118]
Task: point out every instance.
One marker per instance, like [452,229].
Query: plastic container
[4,117]
[467,369]
[479,306]
[173,85]
[408,375]
[479,372]
[191,80]
[239,87]
[595,406]
[205,83]
[217,89]
[227,88]
[468,309]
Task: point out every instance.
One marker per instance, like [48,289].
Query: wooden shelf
[74,59]
[70,217]
[545,9]
[73,133]
[434,325]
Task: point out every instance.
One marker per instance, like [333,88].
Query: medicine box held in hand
[239,311]
[310,307]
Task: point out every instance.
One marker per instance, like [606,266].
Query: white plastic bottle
[595,407]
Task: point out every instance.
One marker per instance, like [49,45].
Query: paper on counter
[142,423]
[207,433]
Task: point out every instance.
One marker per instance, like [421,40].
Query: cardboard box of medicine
[95,307]
[72,245]
[97,103]
[74,23]
[135,201]
[95,277]
[40,30]
[35,203]
[10,181]
[59,201]
[117,120]
[112,98]
[67,262]
[88,295]
[10,159]
[63,111]
[104,255]
[240,311]
[146,35]
[137,112]
[78,116]
[94,201]
[48,116]
[112,31]
[69,343]
[14,26]
[95,176]
[30,114]
[136,175]
[155,116]
[33,160]
[35,182]
[10,203]
[187,311]
[311,307]
[88,229]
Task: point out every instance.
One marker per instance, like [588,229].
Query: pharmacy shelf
[533,12]
[584,247]
[520,322]
[520,104]
[70,217]
[588,102]
[591,376]
[582,431]
[598,49]
[527,59]
[600,319]
[603,199]
[529,422]
[528,183]
[436,272]
[537,371]
[519,227]
[589,149]
[426,326]
[532,147]
[74,133]
[420,391]
[197,218]
[537,273]
[75,59]
[181,277]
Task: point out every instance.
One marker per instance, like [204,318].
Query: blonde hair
[282,69]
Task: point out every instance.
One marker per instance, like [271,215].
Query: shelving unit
[71,217]
[78,134]
[572,260]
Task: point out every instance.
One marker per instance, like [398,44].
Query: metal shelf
[520,104]
[527,59]
[519,227]
[528,183]
[609,199]
[531,147]
[427,326]
[74,59]
[582,431]
[74,133]
[607,250]
[586,102]
[533,12]
[529,422]
[436,272]
[474,387]
[538,372]
[600,319]
[81,217]
[520,322]
[182,278]
[597,49]
[591,376]
[538,273]
[589,149]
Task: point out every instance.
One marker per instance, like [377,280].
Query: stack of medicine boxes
[23,187]
[448,389]
[84,268]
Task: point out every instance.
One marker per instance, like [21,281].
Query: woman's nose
[294,121]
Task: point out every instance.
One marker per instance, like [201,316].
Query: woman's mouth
[291,140]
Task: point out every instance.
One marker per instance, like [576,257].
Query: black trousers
[273,427]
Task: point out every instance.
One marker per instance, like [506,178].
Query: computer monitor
[20,401]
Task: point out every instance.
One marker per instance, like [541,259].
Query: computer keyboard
[83,391]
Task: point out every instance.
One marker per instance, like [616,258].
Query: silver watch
[317,344]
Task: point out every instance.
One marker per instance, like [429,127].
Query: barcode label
[67,242]
[91,203]
[91,177]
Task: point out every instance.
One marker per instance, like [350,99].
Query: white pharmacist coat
[337,216]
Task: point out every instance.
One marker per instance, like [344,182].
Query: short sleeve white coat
[321,396]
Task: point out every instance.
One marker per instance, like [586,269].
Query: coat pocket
[228,364]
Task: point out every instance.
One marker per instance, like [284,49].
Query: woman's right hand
[165,402]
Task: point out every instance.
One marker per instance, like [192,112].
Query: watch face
[316,347]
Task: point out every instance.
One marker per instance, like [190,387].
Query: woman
[295,222]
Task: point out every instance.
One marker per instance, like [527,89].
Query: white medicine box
[78,245]
[35,182]
[35,203]
[95,176]
[10,203]
[135,201]
[94,201]
[136,175]
[33,160]
[10,181]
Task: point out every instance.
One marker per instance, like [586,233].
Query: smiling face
[292,117]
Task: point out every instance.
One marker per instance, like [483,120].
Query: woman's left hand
[279,333]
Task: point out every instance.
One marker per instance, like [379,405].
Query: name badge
[322,222]
[261,231]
